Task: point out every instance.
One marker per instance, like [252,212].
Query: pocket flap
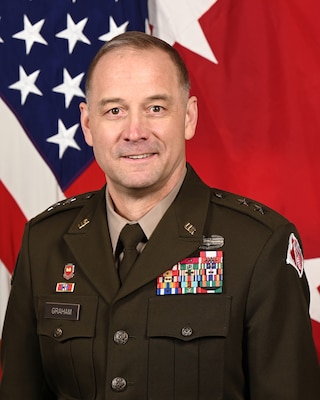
[188,317]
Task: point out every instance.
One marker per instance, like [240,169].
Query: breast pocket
[187,339]
[66,329]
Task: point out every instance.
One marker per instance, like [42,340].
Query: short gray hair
[142,41]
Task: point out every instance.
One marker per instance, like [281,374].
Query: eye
[114,111]
[156,109]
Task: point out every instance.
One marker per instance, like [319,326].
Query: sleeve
[281,360]
[22,374]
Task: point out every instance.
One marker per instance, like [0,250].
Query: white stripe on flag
[4,292]
[23,171]
[312,269]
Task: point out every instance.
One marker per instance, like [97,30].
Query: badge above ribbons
[68,272]
[195,275]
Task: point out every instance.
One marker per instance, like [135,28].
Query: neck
[133,204]
[132,208]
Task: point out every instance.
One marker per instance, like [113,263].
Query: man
[216,304]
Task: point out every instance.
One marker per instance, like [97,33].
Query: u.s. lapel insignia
[83,223]
[196,275]
[68,272]
[190,228]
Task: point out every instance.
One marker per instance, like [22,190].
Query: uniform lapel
[178,235]
[88,239]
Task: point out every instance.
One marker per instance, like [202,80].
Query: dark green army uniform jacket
[72,332]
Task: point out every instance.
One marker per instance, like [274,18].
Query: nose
[136,128]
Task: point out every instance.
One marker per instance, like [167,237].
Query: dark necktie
[130,236]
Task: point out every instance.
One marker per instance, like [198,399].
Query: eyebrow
[164,97]
[103,102]
[106,101]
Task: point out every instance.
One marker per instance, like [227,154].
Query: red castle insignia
[68,272]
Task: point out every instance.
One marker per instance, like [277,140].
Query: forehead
[136,65]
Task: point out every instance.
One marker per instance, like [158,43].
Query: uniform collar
[177,235]
[148,222]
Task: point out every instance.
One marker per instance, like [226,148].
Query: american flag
[254,66]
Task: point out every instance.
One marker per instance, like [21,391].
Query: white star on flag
[31,34]
[70,87]
[169,25]
[73,33]
[64,138]
[114,30]
[26,84]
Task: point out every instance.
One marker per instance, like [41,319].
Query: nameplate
[62,311]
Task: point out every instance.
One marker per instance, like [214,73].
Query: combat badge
[294,254]
[212,242]
[196,275]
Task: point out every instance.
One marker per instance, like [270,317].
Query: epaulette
[64,205]
[252,208]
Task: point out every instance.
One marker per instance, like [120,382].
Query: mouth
[139,156]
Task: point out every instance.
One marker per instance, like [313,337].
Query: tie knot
[130,236]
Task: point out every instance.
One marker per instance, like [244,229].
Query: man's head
[139,114]
[140,41]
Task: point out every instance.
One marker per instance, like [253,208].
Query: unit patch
[203,274]
[294,254]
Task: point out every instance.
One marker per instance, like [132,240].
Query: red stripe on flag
[91,179]
[12,226]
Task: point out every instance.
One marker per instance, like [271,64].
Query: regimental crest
[196,275]
[68,272]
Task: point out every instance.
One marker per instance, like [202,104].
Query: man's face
[137,119]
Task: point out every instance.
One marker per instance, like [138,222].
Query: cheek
[101,154]
[97,136]
[100,145]
[103,145]
[175,136]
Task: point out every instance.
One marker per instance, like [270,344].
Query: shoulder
[248,207]
[233,206]
[66,207]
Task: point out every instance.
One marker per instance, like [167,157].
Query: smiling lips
[139,156]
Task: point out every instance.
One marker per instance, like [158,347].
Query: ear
[85,123]
[191,118]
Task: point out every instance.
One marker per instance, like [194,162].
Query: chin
[140,185]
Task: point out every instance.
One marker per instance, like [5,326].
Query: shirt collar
[148,222]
